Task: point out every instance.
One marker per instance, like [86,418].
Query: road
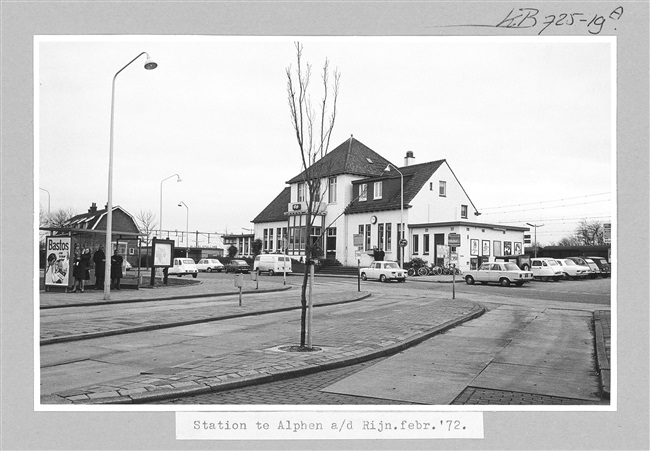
[523,330]
[513,355]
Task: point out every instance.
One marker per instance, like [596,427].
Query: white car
[504,273]
[209,265]
[384,271]
[183,267]
[545,269]
[572,270]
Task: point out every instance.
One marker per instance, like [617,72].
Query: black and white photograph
[297,236]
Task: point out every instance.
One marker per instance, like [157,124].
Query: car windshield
[570,263]
[552,263]
[239,262]
[511,267]
[188,261]
[391,265]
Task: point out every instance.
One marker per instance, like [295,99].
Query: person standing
[78,272]
[99,258]
[116,270]
[86,257]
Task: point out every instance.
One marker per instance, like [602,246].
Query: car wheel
[194,275]
[271,272]
[469,280]
[382,278]
[525,268]
[209,270]
[363,276]
[505,282]
[556,279]
[544,279]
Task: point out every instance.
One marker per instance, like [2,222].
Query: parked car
[236,266]
[605,269]
[521,260]
[504,273]
[384,271]
[572,270]
[545,269]
[272,263]
[182,267]
[594,270]
[209,265]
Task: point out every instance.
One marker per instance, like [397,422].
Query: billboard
[57,266]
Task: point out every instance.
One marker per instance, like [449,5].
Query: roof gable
[276,209]
[350,157]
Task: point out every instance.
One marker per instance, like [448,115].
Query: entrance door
[330,244]
[438,239]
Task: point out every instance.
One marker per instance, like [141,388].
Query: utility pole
[535,227]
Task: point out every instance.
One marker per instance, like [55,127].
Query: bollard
[239,282]
[255,277]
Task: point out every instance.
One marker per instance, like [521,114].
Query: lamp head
[150,64]
[180,204]
[179,179]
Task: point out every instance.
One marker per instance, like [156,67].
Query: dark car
[237,266]
[605,269]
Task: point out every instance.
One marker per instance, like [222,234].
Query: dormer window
[369,160]
[377,190]
[363,192]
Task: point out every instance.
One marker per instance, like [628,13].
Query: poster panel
[57,266]
[163,251]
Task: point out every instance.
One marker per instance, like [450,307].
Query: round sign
[403,243]
[373,219]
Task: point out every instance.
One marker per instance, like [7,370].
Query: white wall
[429,206]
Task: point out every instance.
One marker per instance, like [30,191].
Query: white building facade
[360,197]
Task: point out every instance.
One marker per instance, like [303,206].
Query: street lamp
[401,214]
[149,65]
[535,226]
[161,192]
[187,227]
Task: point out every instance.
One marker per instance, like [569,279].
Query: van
[272,263]
[182,267]
[546,268]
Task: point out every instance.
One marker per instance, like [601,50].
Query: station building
[365,196]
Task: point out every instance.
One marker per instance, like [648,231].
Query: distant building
[243,242]
[362,198]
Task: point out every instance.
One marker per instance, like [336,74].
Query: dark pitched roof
[350,157]
[90,219]
[415,177]
[276,209]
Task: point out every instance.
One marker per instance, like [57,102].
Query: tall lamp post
[401,214]
[149,65]
[178,179]
[187,228]
[535,226]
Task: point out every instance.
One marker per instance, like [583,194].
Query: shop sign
[453,239]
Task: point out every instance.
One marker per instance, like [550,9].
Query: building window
[416,244]
[270,239]
[442,190]
[463,211]
[389,236]
[380,236]
[378,188]
[278,237]
[331,190]
[266,239]
[431,186]
[301,192]
[363,192]
[425,244]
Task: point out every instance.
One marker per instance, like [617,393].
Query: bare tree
[59,217]
[148,225]
[590,232]
[313,129]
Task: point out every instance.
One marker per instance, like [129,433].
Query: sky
[526,123]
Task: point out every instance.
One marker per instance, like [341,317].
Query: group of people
[81,269]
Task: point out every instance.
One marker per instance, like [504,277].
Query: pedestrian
[116,270]
[86,258]
[99,258]
[78,272]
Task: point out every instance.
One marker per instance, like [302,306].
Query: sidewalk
[348,341]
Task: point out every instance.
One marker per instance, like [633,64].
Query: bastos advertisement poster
[57,267]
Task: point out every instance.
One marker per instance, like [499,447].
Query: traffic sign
[453,239]
[403,242]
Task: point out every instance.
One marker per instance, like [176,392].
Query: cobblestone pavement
[482,396]
[376,328]
[301,390]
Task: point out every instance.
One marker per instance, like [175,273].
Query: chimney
[407,159]
[93,208]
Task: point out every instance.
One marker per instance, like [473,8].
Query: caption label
[323,425]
